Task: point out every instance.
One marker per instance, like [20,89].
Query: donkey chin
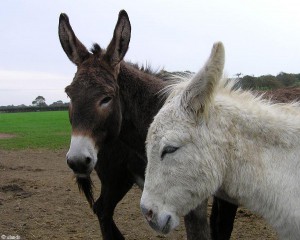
[82,156]
[162,221]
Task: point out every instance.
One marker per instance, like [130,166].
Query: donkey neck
[262,169]
[269,189]
[140,100]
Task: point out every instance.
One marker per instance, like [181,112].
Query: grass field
[50,130]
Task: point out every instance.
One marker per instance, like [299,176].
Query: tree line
[38,104]
[261,83]
[269,82]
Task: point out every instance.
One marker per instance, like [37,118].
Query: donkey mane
[252,98]
[284,116]
[227,87]
[146,68]
[96,49]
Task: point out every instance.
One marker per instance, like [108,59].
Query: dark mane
[96,49]
[147,68]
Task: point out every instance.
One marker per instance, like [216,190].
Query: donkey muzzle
[82,155]
[162,222]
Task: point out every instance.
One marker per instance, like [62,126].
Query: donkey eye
[167,150]
[105,100]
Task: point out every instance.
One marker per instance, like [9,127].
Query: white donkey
[209,138]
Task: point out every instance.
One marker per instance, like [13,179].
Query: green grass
[50,130]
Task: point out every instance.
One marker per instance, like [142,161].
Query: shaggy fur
[85,185]
[239,144]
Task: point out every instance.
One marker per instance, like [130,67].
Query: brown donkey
[112,105]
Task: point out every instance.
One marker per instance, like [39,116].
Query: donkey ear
[199,92]
[118,46]
[74,49]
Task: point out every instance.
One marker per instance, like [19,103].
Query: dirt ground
[39,200]
[6,135]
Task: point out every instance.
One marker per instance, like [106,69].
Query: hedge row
[32,109]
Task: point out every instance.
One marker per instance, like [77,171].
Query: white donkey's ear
[199,92]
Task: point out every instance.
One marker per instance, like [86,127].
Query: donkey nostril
[88,160]
[70,164]
[149,215]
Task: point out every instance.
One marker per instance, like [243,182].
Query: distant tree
[267,82]
[40,101]
[58,103]
[287,79]
[248,82]
[238,75]
[22,106]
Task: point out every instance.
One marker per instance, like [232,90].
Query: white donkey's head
[180,171]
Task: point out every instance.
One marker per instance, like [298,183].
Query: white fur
[229,141]
[82,147]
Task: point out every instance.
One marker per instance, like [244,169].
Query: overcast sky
[260,37]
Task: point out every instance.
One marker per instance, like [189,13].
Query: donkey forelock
[93,74]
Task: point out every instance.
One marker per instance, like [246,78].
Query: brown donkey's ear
[118,46]
[74,49]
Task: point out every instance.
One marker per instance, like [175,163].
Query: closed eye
[105,100]
[167,150]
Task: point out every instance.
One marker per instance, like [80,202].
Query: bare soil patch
[6,135]
[283,95]
[39,200]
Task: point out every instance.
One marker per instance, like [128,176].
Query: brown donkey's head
[95,111]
